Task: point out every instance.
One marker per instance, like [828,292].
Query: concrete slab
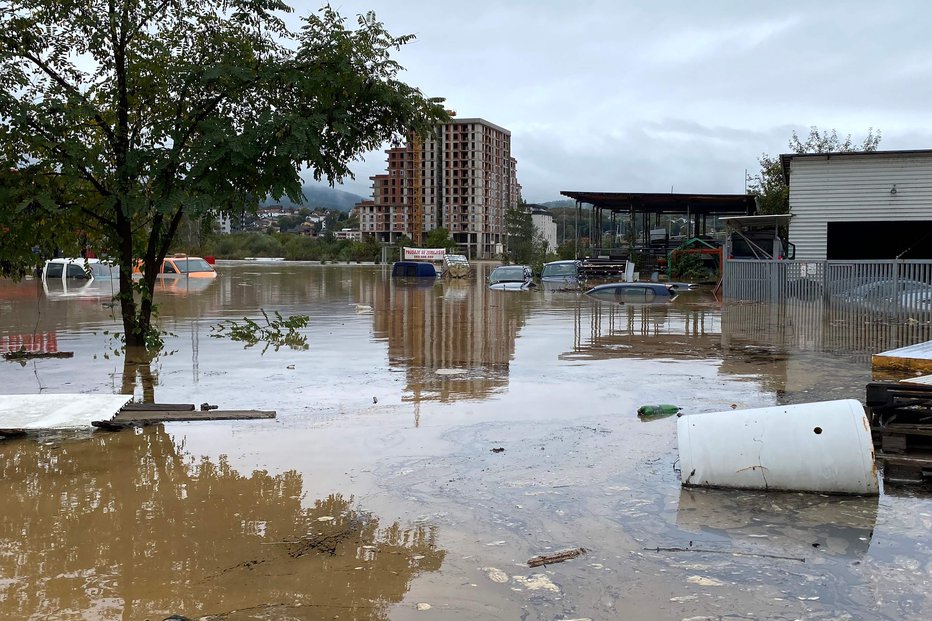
[57,411]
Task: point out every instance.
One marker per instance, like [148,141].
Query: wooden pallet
[901,425]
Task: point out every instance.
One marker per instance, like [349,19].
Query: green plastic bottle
[661,409]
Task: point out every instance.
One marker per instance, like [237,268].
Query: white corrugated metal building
[867,205]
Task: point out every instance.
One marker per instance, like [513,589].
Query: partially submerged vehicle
[64,269]
[80,278]
[633,292]
[511,278]
[561,275]
[181,265]
[413,269]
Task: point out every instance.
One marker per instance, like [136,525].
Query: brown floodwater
[376,492]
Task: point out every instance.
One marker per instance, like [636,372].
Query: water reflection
[127,526]
[604,330]
[784,524]
[782,346]
[454,339]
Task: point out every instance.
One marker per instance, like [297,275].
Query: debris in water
[451,371]
[325,518]
[661,410]
[290,366]
[537,582]
[423,606]
[556,557]
[498,449]
[375,399]
[495,574]
[702,581]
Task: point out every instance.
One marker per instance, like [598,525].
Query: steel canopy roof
[646,202]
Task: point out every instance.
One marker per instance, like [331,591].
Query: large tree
[124,116]
[769,185]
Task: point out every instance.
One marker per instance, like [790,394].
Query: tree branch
[145,20]
[61,81]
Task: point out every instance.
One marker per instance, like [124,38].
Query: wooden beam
[151,417]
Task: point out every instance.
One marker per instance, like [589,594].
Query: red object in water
[210,260]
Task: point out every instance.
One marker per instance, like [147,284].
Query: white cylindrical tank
[816,447]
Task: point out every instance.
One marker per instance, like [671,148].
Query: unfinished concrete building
[462,178]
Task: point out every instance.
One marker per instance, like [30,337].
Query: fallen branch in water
[556,557]
[776,556]
[22,354]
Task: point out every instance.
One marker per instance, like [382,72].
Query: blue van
[413,269]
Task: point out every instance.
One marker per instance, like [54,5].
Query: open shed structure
[643,211]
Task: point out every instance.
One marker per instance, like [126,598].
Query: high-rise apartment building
[462,178]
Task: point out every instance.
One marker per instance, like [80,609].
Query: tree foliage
[525,244]
[439,238]
[126,115]
[769,185]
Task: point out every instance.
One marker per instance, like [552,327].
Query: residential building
[462,178]
[864,205]
[352,234]
[544,225]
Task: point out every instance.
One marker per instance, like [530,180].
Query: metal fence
[860,290]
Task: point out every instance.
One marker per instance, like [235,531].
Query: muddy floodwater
[430,440]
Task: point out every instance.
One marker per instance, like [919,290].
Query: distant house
[544,224]
[352,234]
[867,205]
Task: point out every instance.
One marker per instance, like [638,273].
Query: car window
[189,265]
[75,270]
[54,270]
[565,269]
[168,268]
[508,274]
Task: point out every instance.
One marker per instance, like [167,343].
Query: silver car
[511,278]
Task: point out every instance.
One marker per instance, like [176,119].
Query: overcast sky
[620,96]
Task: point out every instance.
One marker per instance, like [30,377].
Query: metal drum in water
[817,447]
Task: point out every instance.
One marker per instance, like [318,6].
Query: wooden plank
[165,416]
[144,407]
[906,460]
[904,429]
[914,358]
[893,443]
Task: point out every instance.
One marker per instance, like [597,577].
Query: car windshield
[192,264]
[559,269]
[104,271]
[513,273]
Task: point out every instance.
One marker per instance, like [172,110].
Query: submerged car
[182,265]
[558,275]
[80,278]
[633,292]
[413,269]
[511,278]
[890,295]
[79,269]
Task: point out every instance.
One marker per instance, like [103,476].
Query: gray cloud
[632,96]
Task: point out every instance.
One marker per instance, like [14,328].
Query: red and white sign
[424,254]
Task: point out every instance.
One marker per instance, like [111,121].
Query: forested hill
[319,196]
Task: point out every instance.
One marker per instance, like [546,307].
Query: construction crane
[417,190]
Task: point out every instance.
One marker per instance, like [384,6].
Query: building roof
[645,202]
[786,158]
